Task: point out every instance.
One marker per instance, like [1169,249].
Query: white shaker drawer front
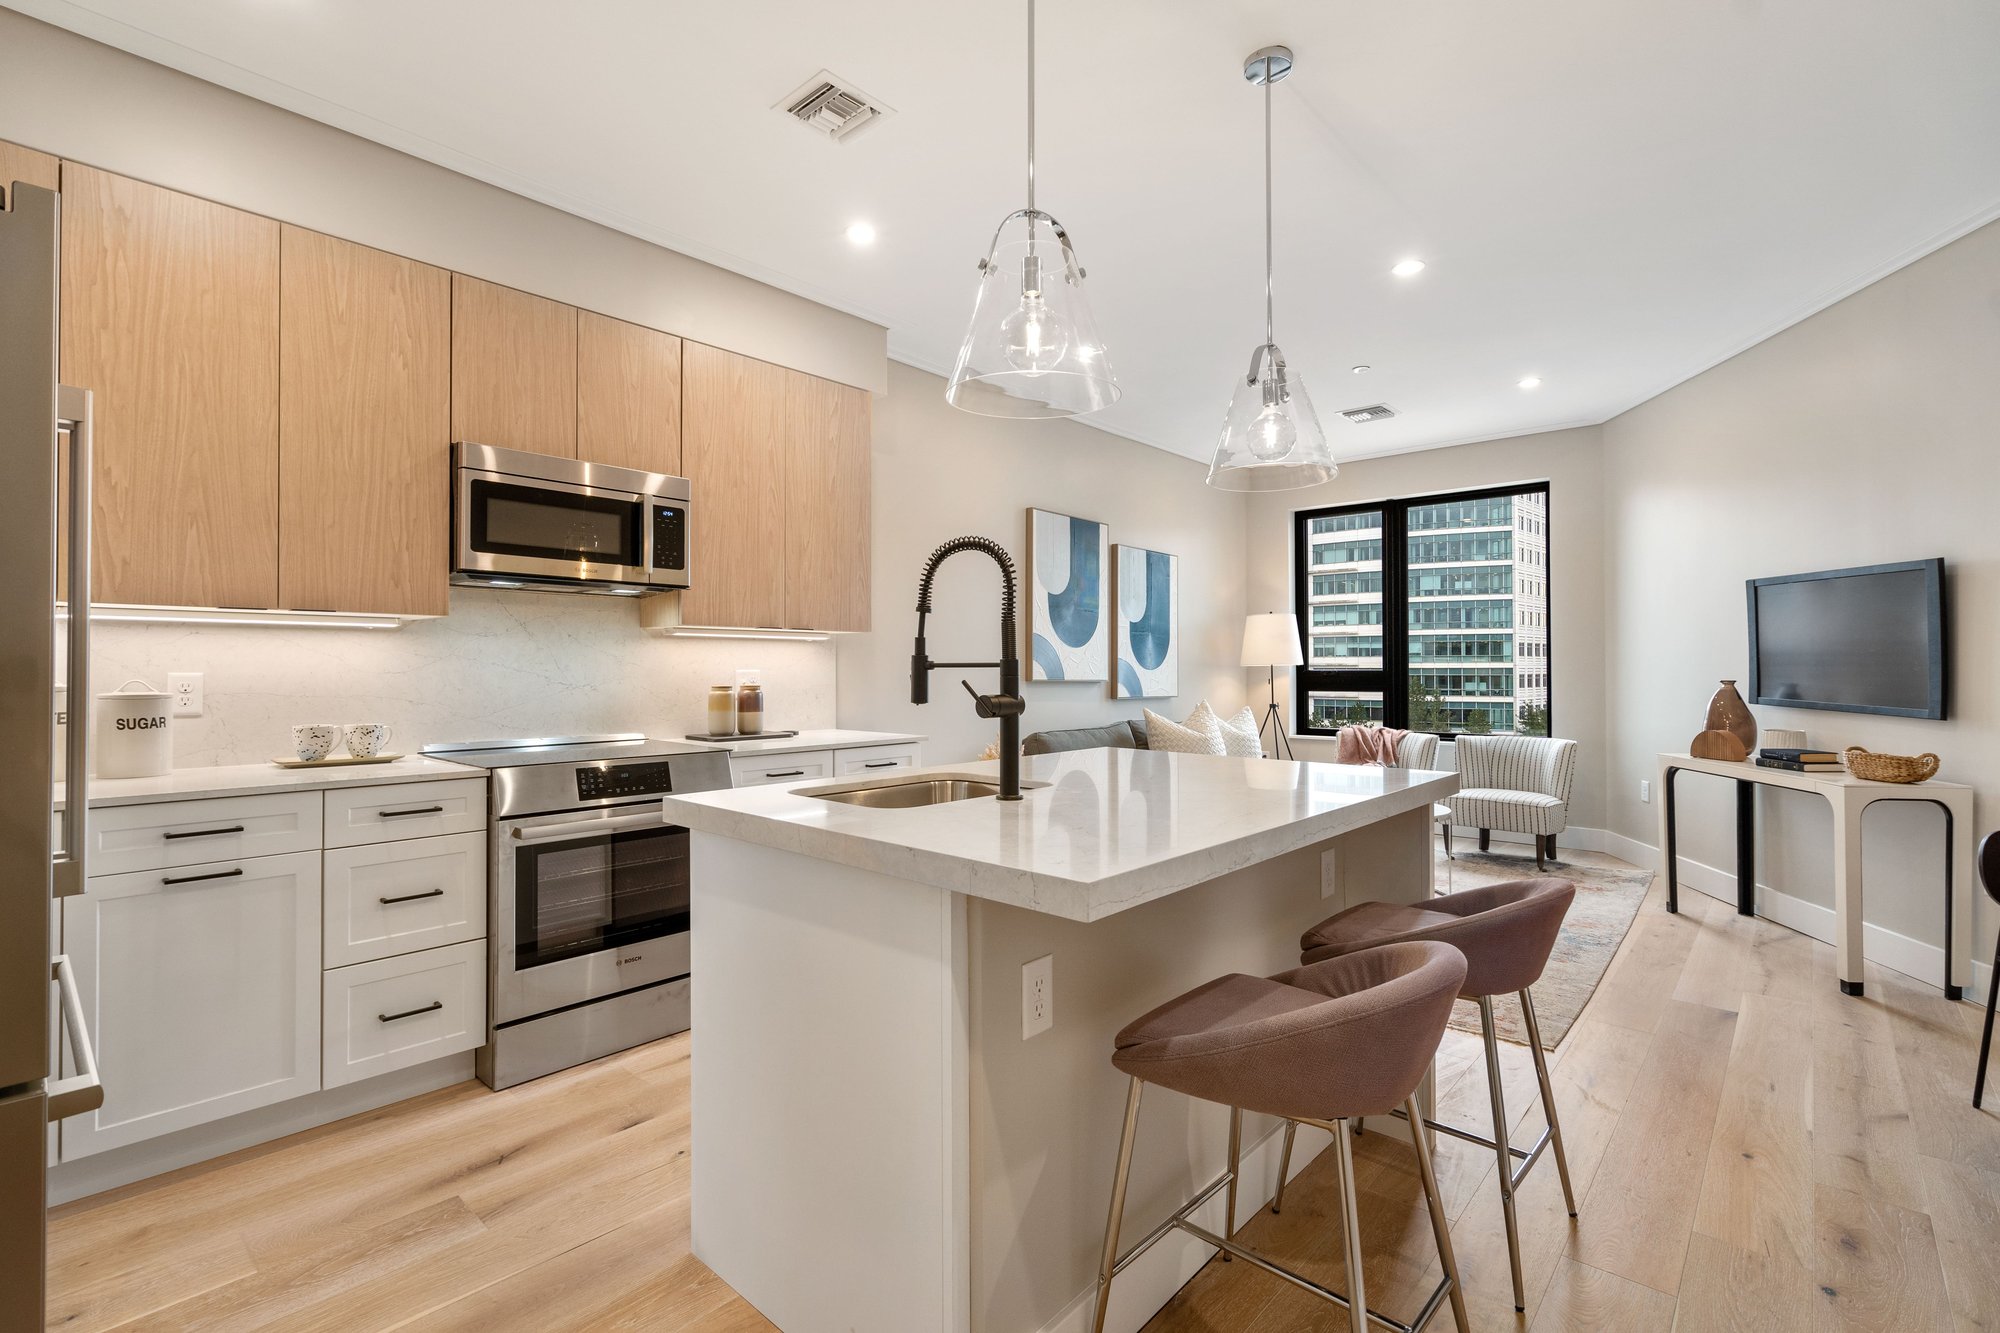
[398,897]
[125,838]
[359,815]
[863,760]
[403,1011]
[763,769]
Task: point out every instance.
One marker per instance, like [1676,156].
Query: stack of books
[1801,761]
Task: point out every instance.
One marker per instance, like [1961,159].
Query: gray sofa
[1113,736]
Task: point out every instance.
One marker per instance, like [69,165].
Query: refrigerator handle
[73,417]
[82,1091]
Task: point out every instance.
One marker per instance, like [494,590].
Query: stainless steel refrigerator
[44,432]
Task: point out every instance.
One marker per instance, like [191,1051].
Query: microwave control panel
[669,536]
[602,781]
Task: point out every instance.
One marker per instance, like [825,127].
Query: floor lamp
[1271,640]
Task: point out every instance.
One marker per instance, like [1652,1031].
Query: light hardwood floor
[1751,1150]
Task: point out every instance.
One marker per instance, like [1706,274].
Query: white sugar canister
[132,736]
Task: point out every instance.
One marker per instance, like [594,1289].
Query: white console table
[1850,797]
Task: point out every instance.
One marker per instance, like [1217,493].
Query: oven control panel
[602,781]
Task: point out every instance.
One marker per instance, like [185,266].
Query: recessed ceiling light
[1362,370]
[861,233]
[1408,268]
[1531,382]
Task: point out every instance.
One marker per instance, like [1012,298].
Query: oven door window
[583,895]
[549,524]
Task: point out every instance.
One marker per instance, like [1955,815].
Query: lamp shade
[1032,349]
[1271,639]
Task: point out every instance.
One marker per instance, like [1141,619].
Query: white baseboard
[170,1152]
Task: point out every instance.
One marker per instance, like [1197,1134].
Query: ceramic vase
[1727,712]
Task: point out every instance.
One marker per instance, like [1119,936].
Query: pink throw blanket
[1368,745]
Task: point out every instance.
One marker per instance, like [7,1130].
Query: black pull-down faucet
[1007,705]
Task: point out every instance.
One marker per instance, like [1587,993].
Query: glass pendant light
[1271,439]
[1032,349]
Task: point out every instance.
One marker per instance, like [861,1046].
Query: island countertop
[1101,831]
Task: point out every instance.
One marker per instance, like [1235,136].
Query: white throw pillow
[1169,736]
[1239,733]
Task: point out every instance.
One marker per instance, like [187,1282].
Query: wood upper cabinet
[628,395]
[513,369]
[25,164]
[828,436]
[365,429]
[170,318]
[733,416]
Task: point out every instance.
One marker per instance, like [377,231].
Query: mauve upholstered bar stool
[1318,1045]
[1506,932]
[1989,876]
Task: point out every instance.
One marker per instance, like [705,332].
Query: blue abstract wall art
[1068,560]
[1147,626]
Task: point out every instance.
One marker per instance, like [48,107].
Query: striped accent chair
[1518,784]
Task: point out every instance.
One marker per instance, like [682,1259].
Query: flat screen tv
[1865,640]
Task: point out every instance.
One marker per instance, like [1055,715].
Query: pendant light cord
[1267,196]
[1031,109]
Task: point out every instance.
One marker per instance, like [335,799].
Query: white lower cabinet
[863,760]
[396,1012]
[764,769]
[397,897]
[201,989]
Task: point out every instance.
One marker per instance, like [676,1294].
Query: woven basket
[1871,767]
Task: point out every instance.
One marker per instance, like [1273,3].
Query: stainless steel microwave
[522,520]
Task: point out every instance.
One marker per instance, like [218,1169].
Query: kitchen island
[877,1145]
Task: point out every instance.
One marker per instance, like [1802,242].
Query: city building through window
[1422,613]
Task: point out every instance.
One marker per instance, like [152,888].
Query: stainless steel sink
[906,795]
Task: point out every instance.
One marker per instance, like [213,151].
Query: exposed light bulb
[1032,338]
[1272,433]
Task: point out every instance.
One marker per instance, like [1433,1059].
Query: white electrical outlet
[185,687]
[1645,792]
[1038,996]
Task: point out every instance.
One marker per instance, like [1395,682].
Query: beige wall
[1571,462]
[1866,433]
[941,473]
[72,97]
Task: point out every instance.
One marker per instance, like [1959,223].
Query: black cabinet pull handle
[204,832]
[411,897]
[411,1013]
[196,879]
[398,814]
[882,763]
[788,773]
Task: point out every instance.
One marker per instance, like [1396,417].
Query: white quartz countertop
[188,784]
[1107,829]
[826,738]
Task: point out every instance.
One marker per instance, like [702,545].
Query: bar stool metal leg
[1548,1098]
[1986,1039]
[1500,1147]
[1440,1226]
[1285,1162]
[1235,1164]
[1119,1180]
[1350,1224]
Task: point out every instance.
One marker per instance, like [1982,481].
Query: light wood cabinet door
[364,412]
[25,164]
[828,448]
[733,449]
[201,988]
[170,318]
[513,369]
[628,395]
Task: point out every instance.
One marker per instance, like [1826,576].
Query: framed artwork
[1147,625]
[1068,562]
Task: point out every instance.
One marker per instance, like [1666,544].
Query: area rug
[1605,905]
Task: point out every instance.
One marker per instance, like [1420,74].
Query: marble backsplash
[501,664]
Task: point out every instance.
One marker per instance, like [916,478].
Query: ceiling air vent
[1376,412]
[833,107]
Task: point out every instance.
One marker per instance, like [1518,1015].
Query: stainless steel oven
[522,520]
[589,896]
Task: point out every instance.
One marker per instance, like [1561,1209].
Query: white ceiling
[1610,196]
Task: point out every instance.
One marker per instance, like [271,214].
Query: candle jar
[749,709]
[721,710]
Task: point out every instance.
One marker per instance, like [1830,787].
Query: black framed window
[1430,614]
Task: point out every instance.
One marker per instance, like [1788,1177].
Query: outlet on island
[1038,996]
